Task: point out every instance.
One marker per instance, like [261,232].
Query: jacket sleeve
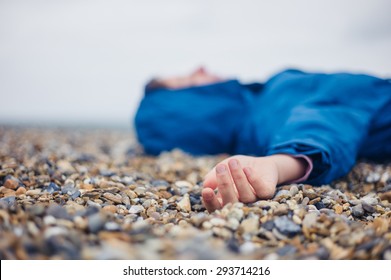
[330,126]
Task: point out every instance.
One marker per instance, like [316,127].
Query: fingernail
[233,163]
[220,168]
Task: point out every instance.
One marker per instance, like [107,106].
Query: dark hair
[154,84]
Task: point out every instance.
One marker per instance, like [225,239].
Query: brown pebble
[338,209]
[381,225]
[385,196]
[113,197]
[315,200]
[110,208]
[20,191]
[33,192]
[4,190]
[11,184]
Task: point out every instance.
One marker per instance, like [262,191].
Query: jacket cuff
[309,168]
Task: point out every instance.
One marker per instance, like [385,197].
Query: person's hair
[154,84]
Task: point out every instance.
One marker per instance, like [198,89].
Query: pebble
[113,197]
[110,208]
[338,209]
[294,190]
[184,204]
[140,191]
[21,191]
[310,220]
[250,225]
[82,195]
[286,226]
[136,209]
[358,210]
[385,196]
[235,213]
[33,192]
[96,222]
[52,187]
[11,184]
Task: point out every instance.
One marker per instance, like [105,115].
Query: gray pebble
[287,226]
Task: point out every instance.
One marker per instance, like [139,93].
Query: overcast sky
[86,62]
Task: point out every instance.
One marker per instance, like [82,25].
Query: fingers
[245,191]
[211,201]
[262,187]
[225,184]
[210,180]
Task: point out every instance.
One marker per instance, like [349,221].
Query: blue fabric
[332,118]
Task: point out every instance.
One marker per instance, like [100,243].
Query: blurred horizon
[85,62]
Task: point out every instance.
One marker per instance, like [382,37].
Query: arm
[331,126]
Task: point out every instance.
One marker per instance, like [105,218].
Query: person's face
[197,78]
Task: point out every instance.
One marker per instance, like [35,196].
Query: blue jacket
[332,118]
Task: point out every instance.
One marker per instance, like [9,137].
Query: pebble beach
[92,194]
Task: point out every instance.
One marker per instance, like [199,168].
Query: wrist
[289,168]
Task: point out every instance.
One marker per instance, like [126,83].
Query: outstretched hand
[248,179]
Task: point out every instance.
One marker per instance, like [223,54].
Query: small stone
[33,192]
[296,219]
[58,212]
[8,201]
[76,194]
[20,191]
[319,205]
[217,222]
[286,250]
[358,210]
[110,208]
[369,208]
[140,190]
[305,201]
[269,225]
[6,171]
[310,193]
[385,196]
[52,187]
[233,223]
[183,184]
[264,204]
[249,225]
[111,226]
[338,209]
[65,166]
[247,248]
[135,209]
[281,209]
[381,225]
[294,190]
[131,194]
[11,184]
[235,213]
[310,220]
[113,197]
[369,199]
[286,226]
[96,222]
[282,194]
[184,204]
[49,220]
